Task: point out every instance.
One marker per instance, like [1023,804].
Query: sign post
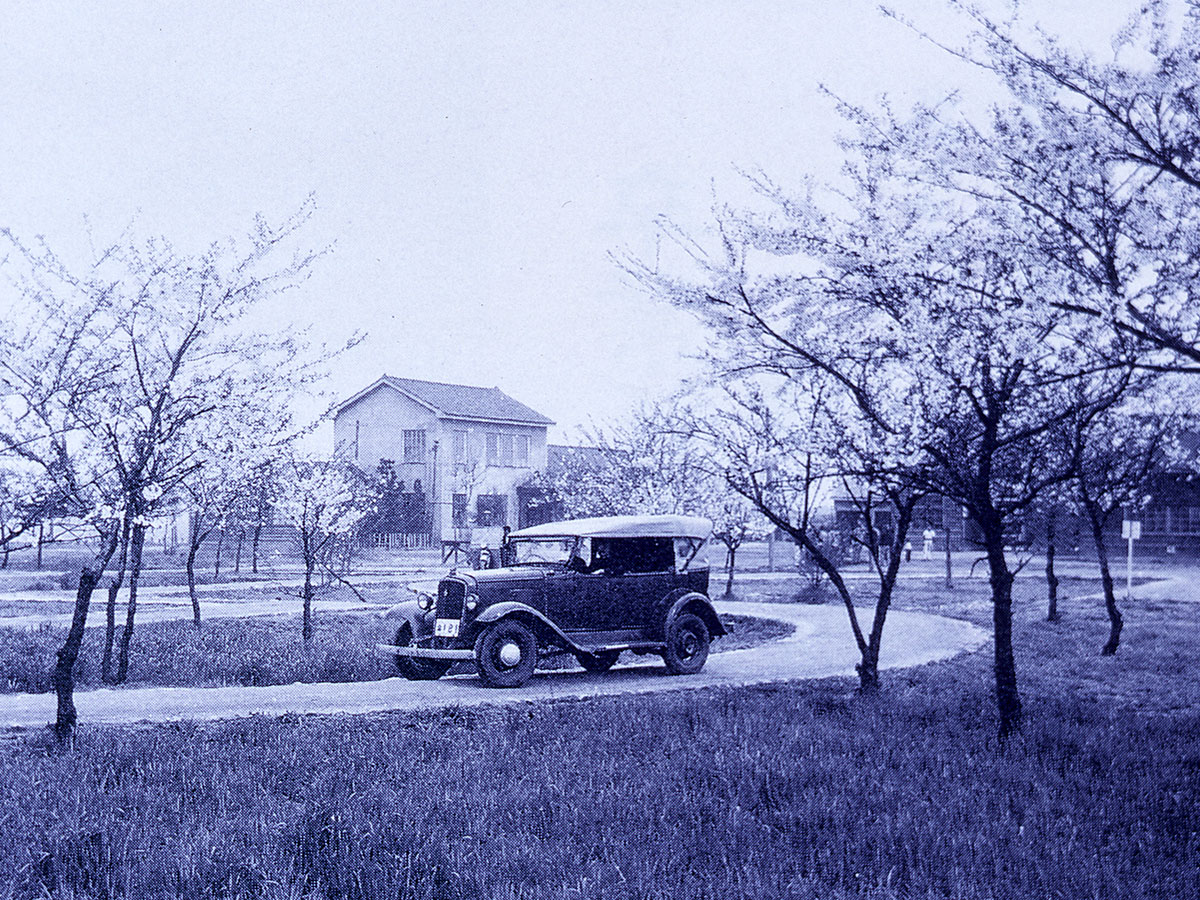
[1131,530]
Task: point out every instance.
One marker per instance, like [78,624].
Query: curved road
[820,646]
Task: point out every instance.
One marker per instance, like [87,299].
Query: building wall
[456,457]
[473,474]
[373,429]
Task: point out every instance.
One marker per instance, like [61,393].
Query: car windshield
[542,550]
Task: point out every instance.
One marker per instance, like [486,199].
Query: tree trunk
[306,630]
[237,553]
[41,541]
[217,554]
[1008,698]
[110,608]
[868,664]
[135,570]
[1115,620]
[730,558]
[191,577]
[254,548]
[1051,578]
[64,666]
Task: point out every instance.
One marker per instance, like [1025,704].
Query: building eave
[488,420]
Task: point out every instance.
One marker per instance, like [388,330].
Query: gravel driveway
[820,646]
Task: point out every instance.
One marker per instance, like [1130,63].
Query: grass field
[254,651]
[800,791]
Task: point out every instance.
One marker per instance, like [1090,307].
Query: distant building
[460,452]
[1170,516]
[539,500]
[933,515]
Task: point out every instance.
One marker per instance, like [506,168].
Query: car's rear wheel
[506,654]
[417,669]
[599,662]
[687,642]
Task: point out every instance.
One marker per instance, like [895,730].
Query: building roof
[457,401]
[621,526]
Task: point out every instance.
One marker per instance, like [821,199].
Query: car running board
[423,652]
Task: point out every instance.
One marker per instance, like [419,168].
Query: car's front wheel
[686,648]
[415,669]
[506,654]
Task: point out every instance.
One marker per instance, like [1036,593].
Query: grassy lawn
[806,791]
[254,651]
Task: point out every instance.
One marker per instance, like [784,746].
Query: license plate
[446,628]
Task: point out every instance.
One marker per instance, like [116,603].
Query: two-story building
[459,453]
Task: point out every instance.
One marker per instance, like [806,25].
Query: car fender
[420,620]
[663,611]
[698,605]
[498,611]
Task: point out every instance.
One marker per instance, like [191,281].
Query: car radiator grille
[451,595]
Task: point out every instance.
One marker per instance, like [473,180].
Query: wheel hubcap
[510,654]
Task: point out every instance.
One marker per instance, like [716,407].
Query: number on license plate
[446,628]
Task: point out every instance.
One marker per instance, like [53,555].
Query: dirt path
[820,646]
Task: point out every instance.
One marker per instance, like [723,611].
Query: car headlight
[472,602]
[424,601]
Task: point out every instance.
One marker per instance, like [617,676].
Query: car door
[642,577]
[567,600]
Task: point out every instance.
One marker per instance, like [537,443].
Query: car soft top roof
[621,526]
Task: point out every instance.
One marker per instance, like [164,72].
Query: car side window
[581,557]
[689,554]
[619,556]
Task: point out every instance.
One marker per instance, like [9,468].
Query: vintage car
[592,588]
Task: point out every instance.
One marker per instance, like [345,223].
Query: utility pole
[771,533]
[436,523]
[946,531]
[1131,530]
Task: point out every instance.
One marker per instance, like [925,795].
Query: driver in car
[579,557]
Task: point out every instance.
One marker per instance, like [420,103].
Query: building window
[506,449]
[490,510]
[460,446]
[458,511]
[1156,520]
[1187,520]
[493,448]
[414,446]
[522,449]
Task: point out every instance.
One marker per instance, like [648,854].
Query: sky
[476,166]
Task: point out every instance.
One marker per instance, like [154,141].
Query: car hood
[507,573]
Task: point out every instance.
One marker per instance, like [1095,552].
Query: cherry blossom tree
[785,448]
[920,320]
[218,496]
[322,501]
[57,359]
[128,374]
[640,466]
[1049,512]
[25,502]
[735,520]
[1116,455]
[1100,156]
